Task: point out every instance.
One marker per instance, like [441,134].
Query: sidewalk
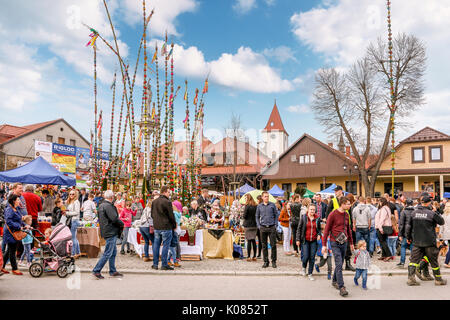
[287,266]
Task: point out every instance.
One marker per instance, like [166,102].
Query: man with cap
[334,205]
[420,230]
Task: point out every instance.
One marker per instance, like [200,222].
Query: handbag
[151,230]
[17,235]
[388,230]
[342,237]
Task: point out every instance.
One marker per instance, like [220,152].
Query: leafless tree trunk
[357,102]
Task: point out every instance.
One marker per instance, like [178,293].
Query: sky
[254,51]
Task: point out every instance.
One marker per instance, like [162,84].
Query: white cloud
[270,2]
[340,30]
[281,53]
[166,12]
[244,70]
[298,109]
[244,6]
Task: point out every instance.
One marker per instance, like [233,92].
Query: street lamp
[345,167]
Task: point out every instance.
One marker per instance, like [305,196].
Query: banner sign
[66,163]
[44,150]
[64,150]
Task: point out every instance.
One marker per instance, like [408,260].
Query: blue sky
[255,50]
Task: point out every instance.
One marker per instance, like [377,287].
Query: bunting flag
[164,49]
[94,36]
[196,97]
[140,137]
[205,88]
[155,55]
[185,121]
[90,150]
[170,53]
[185,94]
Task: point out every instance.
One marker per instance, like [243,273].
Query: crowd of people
[317,230]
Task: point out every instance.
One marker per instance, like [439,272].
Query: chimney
[330,144]
[347,151]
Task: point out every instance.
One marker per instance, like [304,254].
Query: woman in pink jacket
[383,219]
[126,215]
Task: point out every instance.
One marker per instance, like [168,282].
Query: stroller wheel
[36,270]
[62,271]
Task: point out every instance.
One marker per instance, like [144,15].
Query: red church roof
[275,123]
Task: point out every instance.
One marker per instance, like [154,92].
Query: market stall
[187,251]
[88,236]
[217,243]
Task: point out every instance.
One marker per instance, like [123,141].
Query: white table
[197,249]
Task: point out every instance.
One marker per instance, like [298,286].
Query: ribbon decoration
[185,121]
[170,53]
[153,113]
[155,55]
[171,100]
[196,97]
[94,36]
[100,124]
[185,94]
[164,49]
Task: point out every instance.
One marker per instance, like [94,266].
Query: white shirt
[88,208]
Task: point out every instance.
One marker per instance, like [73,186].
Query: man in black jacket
[164,223]
[406,212]
[110,228]
[421,232]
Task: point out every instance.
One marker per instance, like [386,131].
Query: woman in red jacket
[308,232]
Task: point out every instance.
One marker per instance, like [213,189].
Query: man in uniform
[421,232]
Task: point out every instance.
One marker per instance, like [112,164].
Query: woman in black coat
[13,223]
[250,226]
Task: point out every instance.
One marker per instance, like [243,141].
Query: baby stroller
[54,256]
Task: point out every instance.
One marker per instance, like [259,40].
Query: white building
[17,143]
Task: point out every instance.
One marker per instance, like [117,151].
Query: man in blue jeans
[110,229]
[164,223]
[338,228]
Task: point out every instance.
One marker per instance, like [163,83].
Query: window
[49,138]
[301,185]
[61,140]
[351,187]
[307,158]
[286,187]
[72,142]
[229,158]
[274,155]
[293,158]
[322,187]
[435,153]
[418,155]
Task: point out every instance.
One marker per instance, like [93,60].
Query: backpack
[2,213]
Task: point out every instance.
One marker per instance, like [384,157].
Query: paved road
[135,286]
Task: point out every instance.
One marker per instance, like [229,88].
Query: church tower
[274,135]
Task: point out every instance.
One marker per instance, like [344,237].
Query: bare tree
[235,131]
[358,101]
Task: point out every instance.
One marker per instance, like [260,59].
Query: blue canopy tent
[328,191]
[38,171]
[242,190]
[276,191]
[447,195]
